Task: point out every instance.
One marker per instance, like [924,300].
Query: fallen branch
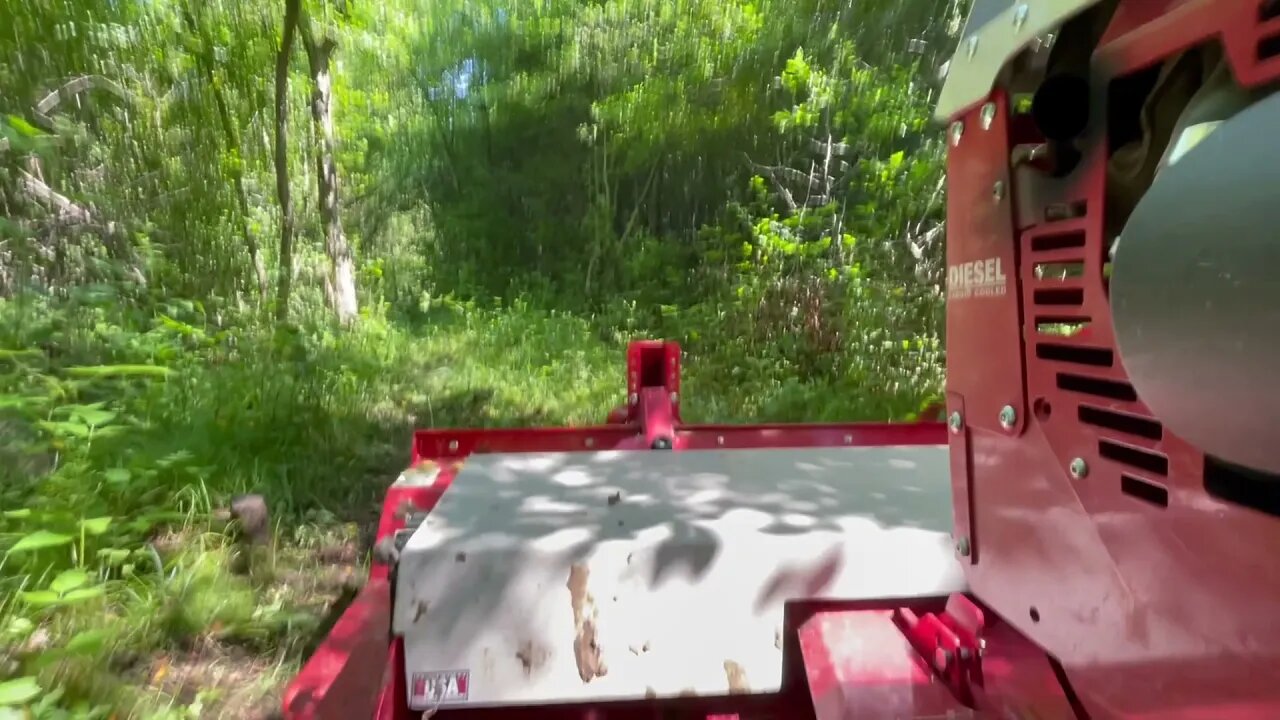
[72,88]
[67,208]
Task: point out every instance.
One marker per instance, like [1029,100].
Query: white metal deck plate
[559,577]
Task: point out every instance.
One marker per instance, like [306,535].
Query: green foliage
[527,185]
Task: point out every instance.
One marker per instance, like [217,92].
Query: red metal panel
[344,678]
[456,444]
[1155,609]
[982,282]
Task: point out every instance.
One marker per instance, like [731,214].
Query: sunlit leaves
[39,540]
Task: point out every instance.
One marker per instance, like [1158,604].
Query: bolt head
[1078,468]
[997,191]
[962,547]
[719,439]
[957,132]
[1008,417]
[675,398]
[955,421]
[848,439]
[988,115]
[632,399]
[453,445]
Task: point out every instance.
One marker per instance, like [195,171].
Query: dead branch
[67,209]
[72,88]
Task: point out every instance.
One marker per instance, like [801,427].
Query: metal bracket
[950,642]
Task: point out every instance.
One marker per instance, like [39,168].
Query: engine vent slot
[1079,354]
[1152,462]
[1109,389]
[1060,241]
[1061,325]
[1242,486]
[1059,270]
[1059,296]
[1121,422]
[1057,212]
[1144,490]
[1269,47]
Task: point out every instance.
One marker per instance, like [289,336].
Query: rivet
[997,191]
[453,445]
[590,442]
[719,439]
[962,547]
[1008,417]
[955,421]
[675,398]
[633,399]
[957,132]
[848,439]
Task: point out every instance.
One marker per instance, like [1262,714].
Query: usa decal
[442,686]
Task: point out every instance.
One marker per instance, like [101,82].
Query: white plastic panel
[559,577]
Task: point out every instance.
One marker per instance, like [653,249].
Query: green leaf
[117,476]
[19,692]
[88,642]
[68,580]
[23,126]
[88,593]
[96,526]
[40,598]
[113,556]
[40,540]
[74,429]
[94,417]
[106,371]
[895,161]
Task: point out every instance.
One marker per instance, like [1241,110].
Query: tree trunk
[340,285]
[284,275]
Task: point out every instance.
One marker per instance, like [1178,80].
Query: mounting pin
[955,421]
[1008,417]
[1079,469]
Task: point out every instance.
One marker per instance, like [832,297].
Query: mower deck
[573,576]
